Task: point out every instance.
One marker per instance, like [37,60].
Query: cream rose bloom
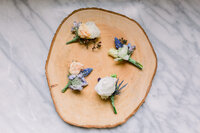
[113,52]
[75,68]
[123,52]
[88,30]
[106,87]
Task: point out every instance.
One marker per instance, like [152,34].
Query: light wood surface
[87,109]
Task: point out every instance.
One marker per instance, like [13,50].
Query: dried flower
[96,45]
[123,41]
[75,26]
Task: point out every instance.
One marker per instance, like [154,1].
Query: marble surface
[27,28]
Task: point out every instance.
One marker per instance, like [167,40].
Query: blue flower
[75,26]
[71,77]
[131,49]
[86,71]
[77,82]
[84,82]
[118,44]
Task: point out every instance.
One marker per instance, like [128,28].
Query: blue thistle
[118,88]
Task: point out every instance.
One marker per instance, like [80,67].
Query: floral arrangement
[77,76]
[123,52]
[108,87]
[85,33]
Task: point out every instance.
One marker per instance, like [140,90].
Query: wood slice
[87,109]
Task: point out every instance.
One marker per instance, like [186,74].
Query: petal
[126,57]
[75,67]
[118,59]
[113,52]
[71,77]
[131,48]
[76,87]
[123,51]
[84,82]
[80,75]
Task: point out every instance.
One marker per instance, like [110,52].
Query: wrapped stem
[73,40]
[113,105]
[137,64]
[64,89]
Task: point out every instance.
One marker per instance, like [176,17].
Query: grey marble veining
[27,28]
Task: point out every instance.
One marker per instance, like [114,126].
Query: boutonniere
[108,87]
[86,33]
[123,52]
[76,77]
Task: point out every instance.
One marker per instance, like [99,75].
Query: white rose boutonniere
[108,87]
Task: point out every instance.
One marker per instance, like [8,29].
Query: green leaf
[114,75]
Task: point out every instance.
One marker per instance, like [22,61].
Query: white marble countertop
[27,28]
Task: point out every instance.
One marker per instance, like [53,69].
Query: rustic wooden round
[87,109]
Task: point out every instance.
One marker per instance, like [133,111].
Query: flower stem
[73,40]
[64,89]
[137,64]
[112,102]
